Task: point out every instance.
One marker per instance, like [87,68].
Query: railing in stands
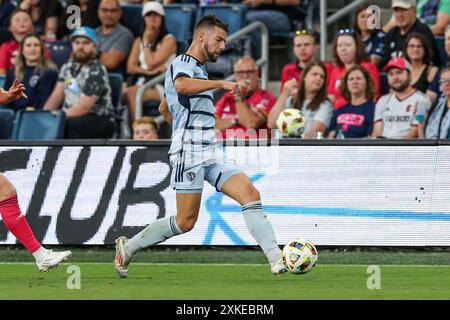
[263,62]
[326,21]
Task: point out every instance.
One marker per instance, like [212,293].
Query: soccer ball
[300,256]
[291,123]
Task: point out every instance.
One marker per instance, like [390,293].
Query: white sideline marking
[241,264]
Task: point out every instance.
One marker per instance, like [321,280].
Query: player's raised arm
[164,110]
[185,85]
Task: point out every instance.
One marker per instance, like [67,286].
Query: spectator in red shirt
[20,25]
[348,50]
[304,47]
[244,115]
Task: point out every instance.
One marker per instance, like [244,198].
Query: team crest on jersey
[190,176]
[411,108]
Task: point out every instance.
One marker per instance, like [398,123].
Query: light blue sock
[260,228]
[156,232]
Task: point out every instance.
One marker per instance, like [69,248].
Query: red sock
[17,224]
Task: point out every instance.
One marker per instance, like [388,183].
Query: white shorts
[189,177]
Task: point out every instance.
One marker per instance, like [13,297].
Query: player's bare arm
[185,85]
[413,133]
[164,110]
[377,129]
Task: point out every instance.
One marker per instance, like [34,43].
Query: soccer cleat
[52,260]
[278,267]
[122,259]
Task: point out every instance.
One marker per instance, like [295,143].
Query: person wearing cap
[151,54]
[84,91]
[399,113]
[434,13]
[114,40]
[406,22]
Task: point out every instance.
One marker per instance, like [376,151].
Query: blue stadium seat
[39,125]
[180,20]
[59,51]
[6,123]
[231,14]
[132,18]
[116,81]
[150,108]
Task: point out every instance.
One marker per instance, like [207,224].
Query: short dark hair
[210,21]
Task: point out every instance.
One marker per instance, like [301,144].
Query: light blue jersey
[194,153]
[193,115]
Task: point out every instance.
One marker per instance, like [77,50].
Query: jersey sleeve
[181,68]
[423,108]
[265,109]
[333,122]
[324,114]
[379,110]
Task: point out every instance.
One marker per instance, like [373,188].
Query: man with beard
[114,41]
[83,87]
[195,155]
[399,113]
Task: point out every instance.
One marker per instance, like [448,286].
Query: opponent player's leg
[19,227]
[188,206]
[240,188]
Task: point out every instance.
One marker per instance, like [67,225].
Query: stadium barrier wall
[335,193]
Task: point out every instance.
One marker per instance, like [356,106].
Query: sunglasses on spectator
[444,81]
[304,32]
[345,31]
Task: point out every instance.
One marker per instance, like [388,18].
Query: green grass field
[227,274]
[215,281]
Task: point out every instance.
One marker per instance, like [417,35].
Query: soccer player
[10,211]
[194,154]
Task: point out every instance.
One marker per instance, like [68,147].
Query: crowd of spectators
[340,98]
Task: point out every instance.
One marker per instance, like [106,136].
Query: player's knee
[186,224]
[7,190]
[251,194]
